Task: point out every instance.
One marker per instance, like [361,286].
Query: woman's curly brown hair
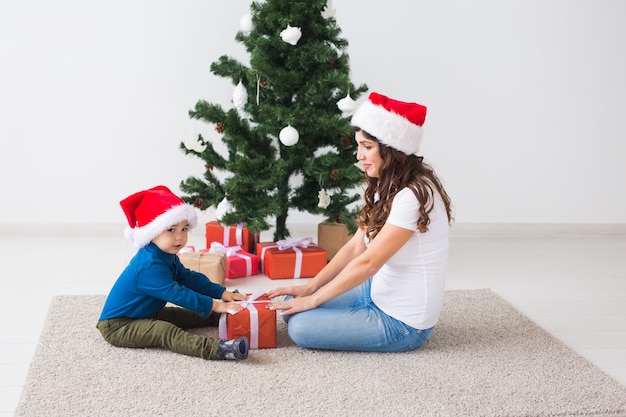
[399,171]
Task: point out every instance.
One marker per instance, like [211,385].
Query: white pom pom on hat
[151,212]
[394,123]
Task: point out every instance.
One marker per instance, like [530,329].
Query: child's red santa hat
[151,212]
[394,123]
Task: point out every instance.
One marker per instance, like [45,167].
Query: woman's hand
[294,305]
[228,296]
[295,291]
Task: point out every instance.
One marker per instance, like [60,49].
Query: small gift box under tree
[287,259]
[213,265]
[233,235]
[332,237]
[239,263]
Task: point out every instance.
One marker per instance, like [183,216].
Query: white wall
[526,100]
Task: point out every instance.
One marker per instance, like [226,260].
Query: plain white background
[525,125]
[526,100]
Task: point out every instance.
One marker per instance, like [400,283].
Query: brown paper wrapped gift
[332,236]
[213,265]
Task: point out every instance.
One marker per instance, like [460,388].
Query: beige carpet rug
[484,359]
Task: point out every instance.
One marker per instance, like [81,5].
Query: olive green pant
[165,329]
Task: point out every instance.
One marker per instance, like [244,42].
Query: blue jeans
[351,321]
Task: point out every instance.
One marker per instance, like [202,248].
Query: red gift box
[254,321]
[288,259]
[239,263]
[235,235]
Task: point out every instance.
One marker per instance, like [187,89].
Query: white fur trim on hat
[388,127]
[141,236]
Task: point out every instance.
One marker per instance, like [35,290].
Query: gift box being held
[254,321]
[234,235]
[287,259]
[213,265]
[239,263]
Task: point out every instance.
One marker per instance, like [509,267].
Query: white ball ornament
[291,35]
[223,208]
[246,23]
[289,136]
[347,105]
[329,10]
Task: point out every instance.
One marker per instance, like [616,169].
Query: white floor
[570,280]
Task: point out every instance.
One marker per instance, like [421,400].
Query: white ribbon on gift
[238,235]
[293,244]
[254,318]
[289,244]
[217,247]
[248,260]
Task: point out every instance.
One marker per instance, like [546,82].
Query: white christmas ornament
[347,105]
[223,208]
[246,23]
[324,199]
[240,97]
[289,136]
[291,35]
[329,10]
[193,143]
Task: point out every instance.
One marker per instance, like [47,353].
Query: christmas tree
[288,134]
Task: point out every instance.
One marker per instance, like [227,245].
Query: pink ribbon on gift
[238,234]
[254,318]
[217,247]
[290,244]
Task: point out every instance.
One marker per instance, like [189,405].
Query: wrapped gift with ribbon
[254,321]
[234,235]
[213,265]
[286,259]
[239,263]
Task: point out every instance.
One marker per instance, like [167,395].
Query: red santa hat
[394,123]
[151,212]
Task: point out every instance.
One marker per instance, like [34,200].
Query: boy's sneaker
[233,349]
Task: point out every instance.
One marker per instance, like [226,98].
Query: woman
[383,291]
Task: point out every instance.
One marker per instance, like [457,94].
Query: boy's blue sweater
[153,278]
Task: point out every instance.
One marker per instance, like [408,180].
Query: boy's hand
[228,296]
[220,307]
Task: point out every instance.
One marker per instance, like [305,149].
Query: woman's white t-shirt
[410,286]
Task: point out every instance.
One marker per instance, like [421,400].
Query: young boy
[135,313]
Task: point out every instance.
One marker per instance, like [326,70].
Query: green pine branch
[297,85]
